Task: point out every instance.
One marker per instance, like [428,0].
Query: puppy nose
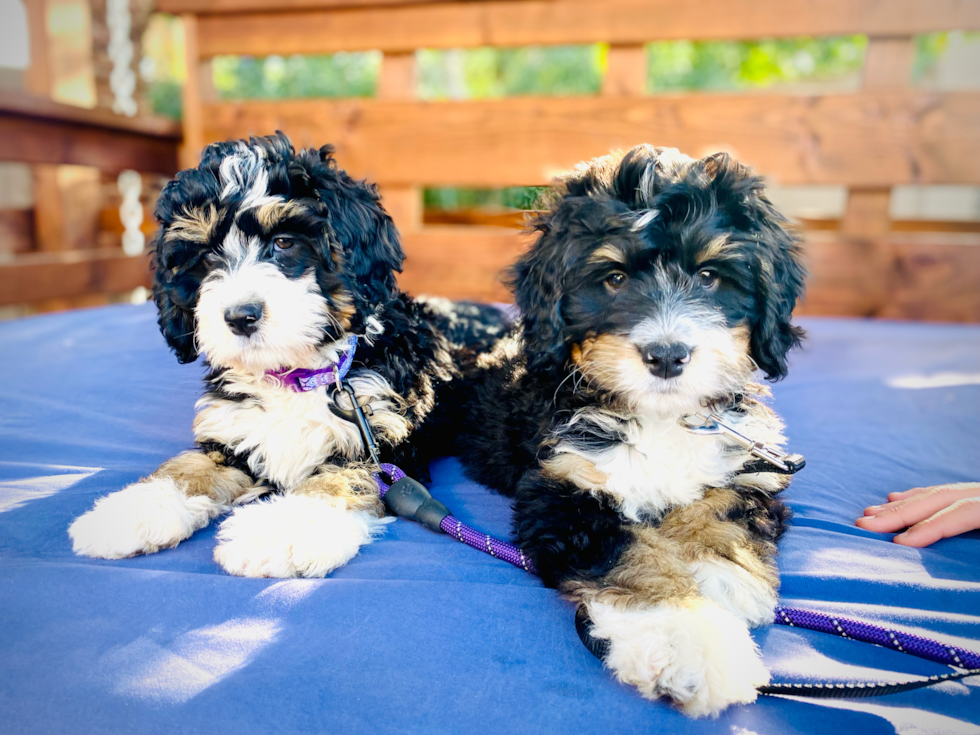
[243,319]
[666,360]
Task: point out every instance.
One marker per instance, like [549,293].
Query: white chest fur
[287,435]
[661,465]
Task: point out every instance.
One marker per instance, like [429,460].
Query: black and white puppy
[268,260]
[656,287]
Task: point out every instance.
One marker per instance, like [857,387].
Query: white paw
[293,536]
[698,654]
[737,590]
[140,519]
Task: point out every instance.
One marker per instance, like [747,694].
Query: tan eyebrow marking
[714,248]
[272,213]
[195,226]
[608,253]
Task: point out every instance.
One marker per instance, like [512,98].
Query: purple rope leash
[898,640]
[454,527]
[411,500]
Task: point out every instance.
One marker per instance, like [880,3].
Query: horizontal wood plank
[506,23]
[33,130]
[865,139]
[460,262]
[245,6]
[927,276]
[69,274]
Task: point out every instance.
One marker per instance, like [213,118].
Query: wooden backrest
[884,135]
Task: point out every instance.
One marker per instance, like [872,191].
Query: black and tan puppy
[268,262]
[656,287]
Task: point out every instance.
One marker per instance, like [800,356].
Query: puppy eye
[615,281]
[708,279]
[282,243]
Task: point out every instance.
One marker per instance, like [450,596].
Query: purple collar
[301,380]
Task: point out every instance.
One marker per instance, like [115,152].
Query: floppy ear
[777,257]
[781,278]
[175,294]
[365,232]
[536,280]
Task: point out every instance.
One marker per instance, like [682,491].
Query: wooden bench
[38,131]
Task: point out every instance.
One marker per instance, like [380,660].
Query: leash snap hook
[697,423]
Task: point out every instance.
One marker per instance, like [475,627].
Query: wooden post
[198,89]
[626,73]
[49,224]
[398,81]
[887,66]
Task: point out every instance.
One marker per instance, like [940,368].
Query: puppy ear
[175,294]
[781,277]
[365,232]
[777,262]
[538,289]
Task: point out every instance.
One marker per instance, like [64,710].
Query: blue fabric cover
[420,634]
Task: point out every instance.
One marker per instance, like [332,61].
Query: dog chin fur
[657,287]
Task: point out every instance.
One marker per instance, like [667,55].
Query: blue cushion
[422,634]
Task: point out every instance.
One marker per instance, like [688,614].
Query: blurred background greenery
[672,66]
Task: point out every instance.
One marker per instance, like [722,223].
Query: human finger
[919,490]
[960,517]
[904,513]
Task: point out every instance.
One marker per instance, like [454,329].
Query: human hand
[929,513]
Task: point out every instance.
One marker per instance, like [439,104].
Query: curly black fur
[340,233]
[662,212]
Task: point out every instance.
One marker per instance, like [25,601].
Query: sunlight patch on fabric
[935,380]
[176,672]
[20,490]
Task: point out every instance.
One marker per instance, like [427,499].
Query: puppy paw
[742,593]
[140,519]
[697,654]
[293,536]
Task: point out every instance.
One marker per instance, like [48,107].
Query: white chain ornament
[131,212]
[122,78]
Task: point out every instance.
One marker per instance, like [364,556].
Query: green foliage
[928,48]
[514,197]
[164,97]
[490,72]
[277,77]
[728,65]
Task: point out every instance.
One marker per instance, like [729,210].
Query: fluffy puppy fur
[656,287]
[268,259]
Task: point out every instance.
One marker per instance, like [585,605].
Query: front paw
[697,654]
[143,518]
[292,536]
[748,596]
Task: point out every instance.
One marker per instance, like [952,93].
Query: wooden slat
[39,131]
[934,281]
[626,73]
[399,81]
[459,262]
[916,276]
[16,230]
[241,6]
[887,66]
[31,278]
[469,24]
[869,139]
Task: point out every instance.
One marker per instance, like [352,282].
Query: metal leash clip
[698,423]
